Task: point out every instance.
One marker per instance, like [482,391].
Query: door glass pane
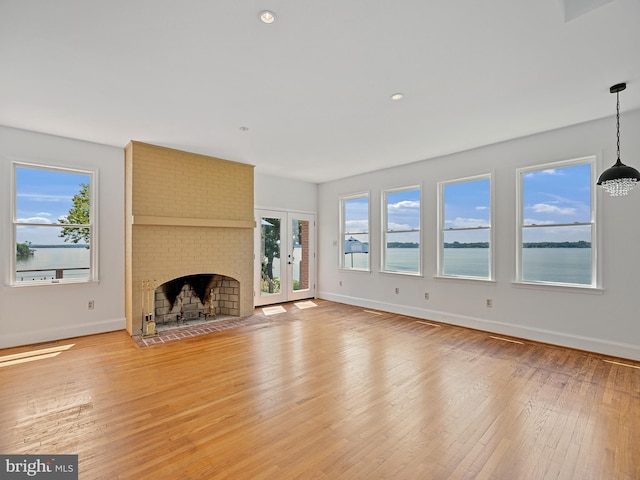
[270,255]
[300,254]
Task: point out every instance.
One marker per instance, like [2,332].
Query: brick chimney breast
[186,214]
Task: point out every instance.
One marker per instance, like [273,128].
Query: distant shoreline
[66,245]
[579,244]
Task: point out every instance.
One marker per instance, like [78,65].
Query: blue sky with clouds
[356,215]
[42,197]
[467,204]
[403,213]
[558,196]
[403,210]
[552,196]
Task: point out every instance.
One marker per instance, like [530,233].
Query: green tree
[23,249]
[271,242]
[79,214]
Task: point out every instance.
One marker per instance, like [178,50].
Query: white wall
[278,193]
[606,322]
[42,313]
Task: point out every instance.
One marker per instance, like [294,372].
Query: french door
[284,257]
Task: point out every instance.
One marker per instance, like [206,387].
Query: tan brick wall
[173,183]
[167,183]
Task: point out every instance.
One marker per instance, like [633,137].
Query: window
[53,225]
[355,232]
[401,235]
[556,224]
[465,228]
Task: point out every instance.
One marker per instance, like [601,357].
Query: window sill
[407,274]
[47,283]
[360,270]
[451,278]
[559,287]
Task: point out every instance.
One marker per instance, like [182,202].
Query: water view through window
[556,224]
[466,228]
[402,231]
[52,222]
[46,262]
[355,232]
[563,265]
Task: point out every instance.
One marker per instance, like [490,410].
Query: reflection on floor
[273,310]
[280,309]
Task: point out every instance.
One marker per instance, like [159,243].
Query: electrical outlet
[397,290]
[489,303]
[91,304]
[426,295]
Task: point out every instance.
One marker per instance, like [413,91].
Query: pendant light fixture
[619,179]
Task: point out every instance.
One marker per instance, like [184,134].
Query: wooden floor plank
[333,392]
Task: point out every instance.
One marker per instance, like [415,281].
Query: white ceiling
[314,87]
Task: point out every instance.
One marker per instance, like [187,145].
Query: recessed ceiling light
[397,96]
[267,17]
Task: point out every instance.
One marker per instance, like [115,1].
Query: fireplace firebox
[196,297]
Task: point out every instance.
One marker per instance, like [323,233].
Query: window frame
[92,225]
[384,230]
[441,228]
[343,199]
[594,286]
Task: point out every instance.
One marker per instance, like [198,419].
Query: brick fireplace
[186,215]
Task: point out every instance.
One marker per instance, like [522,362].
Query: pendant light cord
[618,121]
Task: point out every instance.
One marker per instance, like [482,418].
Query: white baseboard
[62,332]
[589,344]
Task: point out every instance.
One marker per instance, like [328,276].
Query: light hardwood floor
[334,392]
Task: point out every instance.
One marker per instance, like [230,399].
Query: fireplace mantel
[191,222]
